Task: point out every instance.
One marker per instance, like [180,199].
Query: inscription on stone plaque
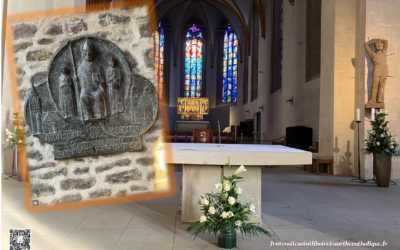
[91,103]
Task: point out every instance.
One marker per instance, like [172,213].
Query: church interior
[294,90]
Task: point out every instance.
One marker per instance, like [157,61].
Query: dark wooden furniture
[299,137]
[203,136]
[320,159]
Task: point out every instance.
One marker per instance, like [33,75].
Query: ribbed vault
[234,12]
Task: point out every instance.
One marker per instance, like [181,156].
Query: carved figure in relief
[144,112]
[66,96]
[93,99]
[114,80]
[134,95]
[380,73]
[35,106]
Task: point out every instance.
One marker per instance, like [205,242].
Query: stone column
[337,110]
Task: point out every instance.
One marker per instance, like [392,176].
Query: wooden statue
[380,73]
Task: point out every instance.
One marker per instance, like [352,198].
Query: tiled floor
[296,206]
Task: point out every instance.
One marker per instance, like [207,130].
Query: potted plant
[224,214]
[383,146]
[14,142]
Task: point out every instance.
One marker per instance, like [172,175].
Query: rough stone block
[124,177]
[23,31]
[145,161]
[40,189]
[44,165]
[68,198]
[53,30]
[80,184]
[77,27]
[52,174]
[119,163]
[20,72]
[121,193]
[38,55]
[151,175]
[148,58]
[136,188]
[100,193]
[35,155]
[45,41]
[144,30]
[108,18]
[22,46]
[78,171]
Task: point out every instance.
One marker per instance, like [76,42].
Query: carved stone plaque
[91,104]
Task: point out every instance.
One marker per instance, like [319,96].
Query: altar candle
[358,115]
[373,114]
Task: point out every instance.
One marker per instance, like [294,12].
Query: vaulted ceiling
[235,12]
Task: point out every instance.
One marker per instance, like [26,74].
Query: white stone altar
[204,164]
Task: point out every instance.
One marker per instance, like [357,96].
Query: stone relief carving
[380,72]
[95,106]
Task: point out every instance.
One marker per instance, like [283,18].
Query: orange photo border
[22,156]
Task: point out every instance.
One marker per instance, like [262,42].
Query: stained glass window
[158,38]
[193,62]
[230,66]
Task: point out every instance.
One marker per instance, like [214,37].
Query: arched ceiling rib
[225,7]
[234,29]
[189,13]
[234,6]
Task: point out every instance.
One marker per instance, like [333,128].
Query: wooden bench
[317,159]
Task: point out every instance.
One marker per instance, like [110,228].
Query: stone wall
[61,181]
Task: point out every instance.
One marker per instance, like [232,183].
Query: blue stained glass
[193,61]
[230,66]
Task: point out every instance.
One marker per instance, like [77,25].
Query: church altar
[204,164]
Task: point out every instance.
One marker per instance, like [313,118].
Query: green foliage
[380,140]
[223,211]
[14,138]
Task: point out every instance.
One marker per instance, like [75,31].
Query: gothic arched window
[230,66]
[193,62]
[158,38]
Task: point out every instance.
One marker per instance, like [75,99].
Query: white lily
[218,186]
[240,169]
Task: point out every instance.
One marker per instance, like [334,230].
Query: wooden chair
[317,159]
[225,138]
[170,136]
[203,136]
[182,136]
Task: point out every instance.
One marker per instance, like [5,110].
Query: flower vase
[227,239]
[382,168]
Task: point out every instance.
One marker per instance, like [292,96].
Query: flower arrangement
[380,140]
[223,211]
[14,138]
